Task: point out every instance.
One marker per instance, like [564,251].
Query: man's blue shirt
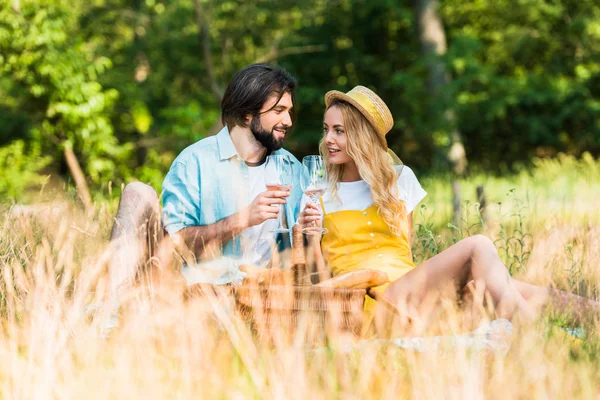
[208,182]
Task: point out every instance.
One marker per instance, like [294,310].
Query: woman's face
[335,136]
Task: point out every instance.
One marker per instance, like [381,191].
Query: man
[214,196]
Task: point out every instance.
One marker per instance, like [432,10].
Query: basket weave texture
[285,312]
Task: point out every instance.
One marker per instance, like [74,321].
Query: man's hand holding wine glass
[265,206]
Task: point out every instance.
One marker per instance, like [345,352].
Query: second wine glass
[278,176]
[314,185]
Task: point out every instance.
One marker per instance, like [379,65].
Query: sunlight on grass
[54,263]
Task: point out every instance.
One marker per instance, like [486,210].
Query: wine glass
[314,184]
[278,176]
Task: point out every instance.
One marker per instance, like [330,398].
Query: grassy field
[545,223]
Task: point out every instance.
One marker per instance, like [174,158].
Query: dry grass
[54,264]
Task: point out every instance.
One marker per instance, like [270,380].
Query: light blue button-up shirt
[208,182]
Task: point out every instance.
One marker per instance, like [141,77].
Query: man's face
[270,127]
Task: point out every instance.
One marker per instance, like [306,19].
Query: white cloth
[357,195]
[257,240]
[219,271]
[493,337]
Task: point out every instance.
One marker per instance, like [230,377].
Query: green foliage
[151,171]
[51,67]
[19,169]
[128,83]
[526,78]
[562,190]
[427,243]
[514,247]
[471,221]
[513,239]
[574,271]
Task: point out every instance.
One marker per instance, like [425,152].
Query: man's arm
[206,240]
[202,240]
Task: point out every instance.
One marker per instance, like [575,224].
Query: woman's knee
[405,294]
[138,205]
[394,291]
[481,243]
[141,192]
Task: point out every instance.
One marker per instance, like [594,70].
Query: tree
[53,70]
[127,84]
[433,43]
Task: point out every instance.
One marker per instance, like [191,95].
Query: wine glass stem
[315,200]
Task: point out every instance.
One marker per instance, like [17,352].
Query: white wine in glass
[314,185]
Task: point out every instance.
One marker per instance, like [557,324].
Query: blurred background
[100,92]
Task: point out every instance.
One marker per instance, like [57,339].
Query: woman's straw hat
[369,104]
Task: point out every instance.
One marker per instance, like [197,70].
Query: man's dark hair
[250,88]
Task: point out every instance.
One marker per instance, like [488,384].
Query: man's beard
[267,139]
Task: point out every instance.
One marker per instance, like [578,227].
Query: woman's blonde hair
[369,151]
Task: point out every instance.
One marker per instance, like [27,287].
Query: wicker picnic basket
[300,310]
[287,312]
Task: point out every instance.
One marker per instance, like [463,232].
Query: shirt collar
[226,147]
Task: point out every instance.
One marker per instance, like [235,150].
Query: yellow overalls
[362,240]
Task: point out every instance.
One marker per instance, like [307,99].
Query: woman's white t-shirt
[357,195]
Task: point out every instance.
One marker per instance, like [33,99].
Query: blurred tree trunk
[433,45]
[204,29]
[83,190]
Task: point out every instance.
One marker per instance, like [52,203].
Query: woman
[368,215]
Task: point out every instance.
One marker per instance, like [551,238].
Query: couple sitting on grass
[215,199]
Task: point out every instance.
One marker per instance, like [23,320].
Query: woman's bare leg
[539,298]
[416,294]
[140,250]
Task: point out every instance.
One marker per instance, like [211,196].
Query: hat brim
[337,95]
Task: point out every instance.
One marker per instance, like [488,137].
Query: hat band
[369,107]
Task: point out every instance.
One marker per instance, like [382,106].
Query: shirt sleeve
[181,198]
[409,189]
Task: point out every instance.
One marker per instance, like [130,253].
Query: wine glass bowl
[278,176]
[314,184]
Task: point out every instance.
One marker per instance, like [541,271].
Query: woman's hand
[310,217]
